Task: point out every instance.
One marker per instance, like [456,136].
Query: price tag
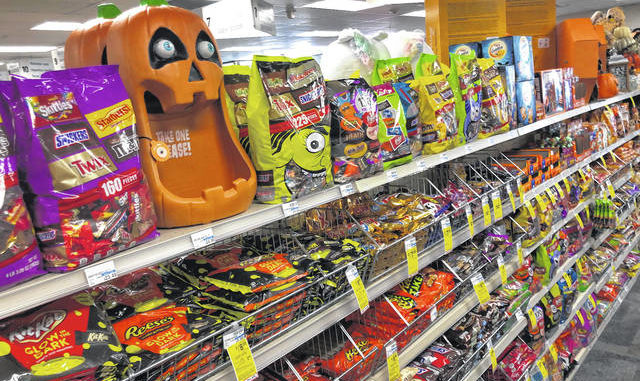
[434,313]
[347,189]
[492,355]
[593,302]
[444,157]
[446,234]
[567,185]
[613,156]
[554,353]
[502,269]
[358,288]
[100,273]
[612,192]
[497,204]
[604,163]
[290,208]
[519,252]
[202,238]
[543,370]
[521,191]
[511,198]
[586,210]
[393,362]
[532,212]
[559,189]
[541,203]
[579,315]
[422,164]
[519,315]
[239,352]
[486,211]
[584,177]
[480,288]
[579,219]
[467,210]
[552,197]
[532,318]
[392,174]
[411,249]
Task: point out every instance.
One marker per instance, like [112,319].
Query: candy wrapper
[236,84]
[392,127]
[76,135]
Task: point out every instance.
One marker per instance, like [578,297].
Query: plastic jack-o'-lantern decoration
[169,63]
[607,85]
[85,46]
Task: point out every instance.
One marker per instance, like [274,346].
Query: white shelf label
[202,238]
[519,315]
[347,189]
[444,157]
[434,313]
[392,174]
[100,273]
[233,336]
[422,164]
[290,208]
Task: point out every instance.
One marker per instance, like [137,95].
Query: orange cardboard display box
[169,63]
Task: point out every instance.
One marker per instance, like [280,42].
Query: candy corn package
[392,127]
[78,153]
[20,258]
[289,125]
[467,88]
[355,149]
[495,118]
[236,84]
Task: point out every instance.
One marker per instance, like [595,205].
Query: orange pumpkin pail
[607,85]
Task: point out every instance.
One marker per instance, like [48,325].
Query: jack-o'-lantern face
[170,66]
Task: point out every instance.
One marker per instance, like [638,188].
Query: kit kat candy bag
[465,82]
[289,124]
[392,127]
[76,135]
[20,257]
[236,83]
[355,149]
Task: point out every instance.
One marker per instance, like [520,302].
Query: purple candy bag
[78,152]
[20,258]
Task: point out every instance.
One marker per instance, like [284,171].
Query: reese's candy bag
[76,134]
[289,125]
[392,127]
[236,84]
[65,340]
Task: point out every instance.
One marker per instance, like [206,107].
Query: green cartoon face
[305,156]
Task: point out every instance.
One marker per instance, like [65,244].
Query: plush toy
[407,44]
[353,55]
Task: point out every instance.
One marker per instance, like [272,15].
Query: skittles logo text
[41,325]
[137,331]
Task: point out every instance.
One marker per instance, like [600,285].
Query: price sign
[519,314]
[541,203]
[532,212]
[567,185]
[446,234]
[511,199]
[521,191]
[502,269]
[593,302]
[444,157]
[497,204]
[559,189]
[421,164]
[239,352]
[579,219]
[532,318]
[358,288]
[552,197]
[480,288]
[604,163]
[486,211]
[202,238]
[100,273]
[580,317]
[347,189]
[584,177]
[554,353]
[434,313]
[612,192]
[393,362]
[290,208]
[492,356]
[520,254]
[543,369]
[411,249]
[392,174]
[467,210]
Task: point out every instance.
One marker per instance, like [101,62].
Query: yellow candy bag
[495,117]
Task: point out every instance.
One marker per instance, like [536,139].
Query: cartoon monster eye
[315,142]
[206,49]
[164,49]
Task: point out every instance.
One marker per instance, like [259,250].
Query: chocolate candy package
[437,113]
[392,127]
[495,118]
[409,99]
[289,126]
[69,339]
[392,70]
[467,88]
[20,257]
[355,149]
[75,133]
[236,83]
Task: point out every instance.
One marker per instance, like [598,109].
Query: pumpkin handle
[108,11]
[153,3]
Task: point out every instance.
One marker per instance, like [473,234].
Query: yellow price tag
[567,279]
[612,192]
[587,210]
[467,210]
[579,219]
[552,197]
[542,368]
[486,211]
[446,234]
[554,353]
[579,315]
[584,177]
[593,302]
[497,204]
[393,362]
[358,288]
[532,318]
[559,189]
[532,211]
[502,269]
[411,250]
[239,352]
[541,203]
[480,288]
[511,198]
[614,158]
[520,254]
[604,163]
[492,356]
[635,203]
[567,185]
[521,191]
[633,102]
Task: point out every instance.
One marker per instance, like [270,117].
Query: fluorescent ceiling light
[421,13]
[240,49]
[57,25]
[319,33]
[341,5]
[26,49]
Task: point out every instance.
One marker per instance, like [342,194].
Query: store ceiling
[18,16]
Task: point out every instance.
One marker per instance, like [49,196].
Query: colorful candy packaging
[289,126]
[20,258]
[392,70]
[495,118]
[409,99]
[355,149]
[236,84]
[392,127]
[467,87]
[75,132]
[69,339]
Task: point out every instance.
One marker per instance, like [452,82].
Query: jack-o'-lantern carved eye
[165,47]
[206,50]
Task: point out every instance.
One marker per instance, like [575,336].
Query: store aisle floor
[616,354]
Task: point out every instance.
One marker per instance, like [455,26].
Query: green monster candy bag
[392,70]
[289,125]
[467,87]
[428,64]
[392,127]
[496,116]
[437,113]
[236,84]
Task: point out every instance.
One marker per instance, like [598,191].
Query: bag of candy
[392,70]
[392,127]
[428,64]
[20,258]
[76,134]
[495,118]
[409,99]
[465,82]
[236,84]
[289,126]
[355,149]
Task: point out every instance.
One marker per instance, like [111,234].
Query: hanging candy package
[20,258]
[355,149]
[495,118]
[409,99]
[236,84]
[75,132]
[289,125]
[392,127]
